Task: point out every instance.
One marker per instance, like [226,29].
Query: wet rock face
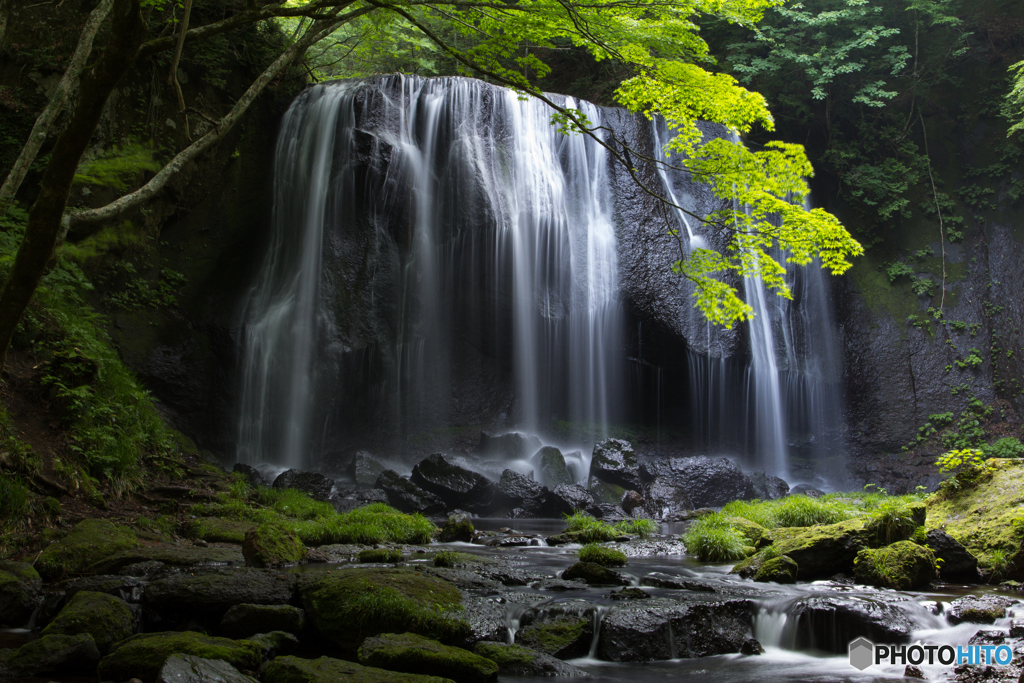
[614,462]
[414,654]
[551,467]
[365,469]
[18,599]
[313,484]
[213,591]
[516,660]
[56,654]
[568,498]
[698,482]
[978,610]
[830,623]
[511,446]
[455,485]
[768,486]
[405,496]
[564,636]
[958,564]
[516,490]
[242,621]
[189,669]
[252,475]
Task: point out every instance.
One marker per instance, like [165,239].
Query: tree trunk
[53,108]
[44,220]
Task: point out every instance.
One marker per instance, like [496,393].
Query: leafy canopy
[659,46]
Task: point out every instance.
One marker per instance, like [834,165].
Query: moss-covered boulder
[242,621]
[819,551]
[892,523]
[565,637]
[327,670]
[380,555]
[212,592]
[602,555]
[457,527]
[142,656]
[904,565]
[19,598]
[76,654]
[604,492]
[23,570]
[275,643]
[89,542]
[752,532]
[780,569]
[974,609]
[106,618]
[516,660]
[270,545]
[349,605]
[414,654]
[174,556]
[595,575]
[217,529]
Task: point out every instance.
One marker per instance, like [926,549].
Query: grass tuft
[712,539]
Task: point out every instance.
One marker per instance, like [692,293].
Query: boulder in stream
[958,564]
[20,595]
[831,623]
[903,566]
[143,656]
[975,609]
[326,670]
[551,467]
[313,484]
[365,469]
[563,635]
[242,621]
[106,618]
[768,486]
[516,660]
[405,496]
[212,592]
[457,486]
[190,669]
[510,446]
[414,654]
[614,462]
[56,654]
[517,491]
[253,477]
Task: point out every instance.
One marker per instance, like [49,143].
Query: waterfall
[494,231]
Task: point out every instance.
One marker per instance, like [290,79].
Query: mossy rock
[453,558]
[602,555]
[106,618]
[53,653]
[752,532]
[275,643]
[564,637]
[242,621]
[18,599]
[904,565]
[457,528]
[381,555]
[884,529]
[217,530]
[780,569]
[414,654]
[327,670]
[603,492]
[516,660]
[594,574]
[349,605]
[25,572]
[142,656]
[819,551]
[975,609]
[170,555]
[270,545]
[89,542]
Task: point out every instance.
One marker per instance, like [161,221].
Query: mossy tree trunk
[45,224]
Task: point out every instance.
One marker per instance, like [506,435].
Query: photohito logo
[864,653]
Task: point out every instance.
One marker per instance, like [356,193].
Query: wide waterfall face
[444,260]
[509,253]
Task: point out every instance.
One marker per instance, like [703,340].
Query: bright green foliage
[270,545]
[1015,99]
[453,558]
[13,500]
[637,527]
[965,467]
[798,510]
[602,555]
[712,539]
[904,565]
[383,555]
[117,167]
[1007,447]
[589,529]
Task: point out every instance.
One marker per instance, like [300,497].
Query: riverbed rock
[975,609]
[217,529]
[661,628]
[171,556]
[242,621]
[709,482]
[416,603]
[821,551]
[516,491]
[768,486]
[831,623]
[806,490]
[510,446]
[458,527]
[903,565]
[90,541]
[19,598]
[614,461]
[143,656]
[56,654]
[414,654]
[665,501]
[516,660]
[211,592]
[567,498]
[253,477]
[365,469]
[313,484]
[551,467]
[326,670]
[780,569]
[190,669]
[106,618]
[405,496]
[269,545]
[958,564]
[561,635]
[455,485]
[275,643]
[595,575]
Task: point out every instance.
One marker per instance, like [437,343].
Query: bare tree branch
[172,77]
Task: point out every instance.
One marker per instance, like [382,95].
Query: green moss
[456,528]
[381,555]
[581,527]
[51,652]
[881,295]
[217,530]
[452,558]
[562,637]
[22,570]
[820,551]
[412,653]
[142,656]
[89,542]
[106,618]
[505,656]
[593,574]
[987,518]
[598,554]
[604,492]
[712,538]
[327,670]
[904,565]
[350,605]
[269,545]
[778,569]
[750,531]
[894,521]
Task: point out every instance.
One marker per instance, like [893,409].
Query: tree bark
[45,217]
[53,108]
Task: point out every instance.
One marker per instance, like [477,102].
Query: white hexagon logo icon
[862,653]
